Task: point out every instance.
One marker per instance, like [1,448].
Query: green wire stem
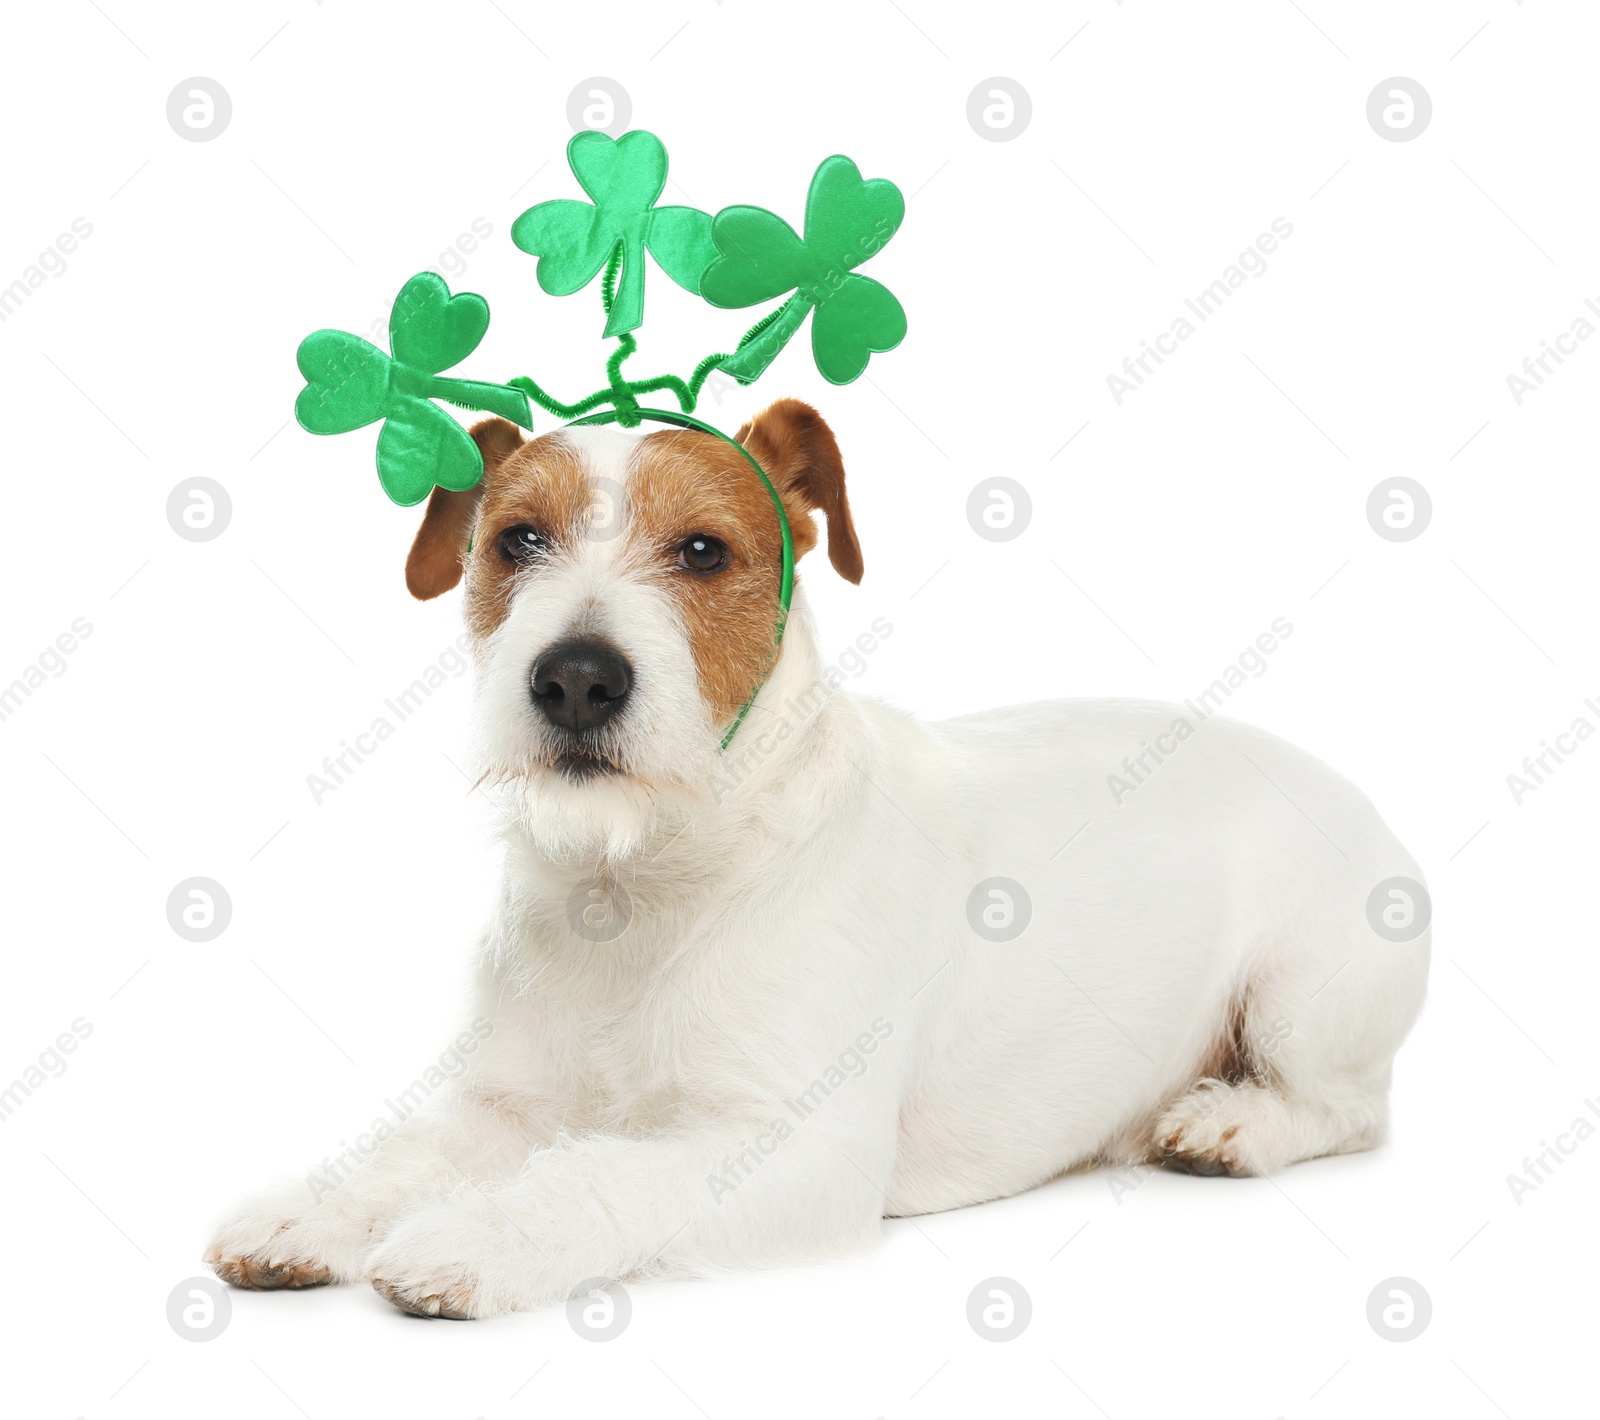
[623,394]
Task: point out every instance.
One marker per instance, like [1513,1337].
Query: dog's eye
[702,554]
[522,543]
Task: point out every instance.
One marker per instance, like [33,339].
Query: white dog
[734,1007]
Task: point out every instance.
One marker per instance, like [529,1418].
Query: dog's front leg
[305,1232]
[674,1204]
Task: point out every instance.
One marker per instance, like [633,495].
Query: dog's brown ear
[434,565]
[797,449]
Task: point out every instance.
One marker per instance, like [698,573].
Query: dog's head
[623,594]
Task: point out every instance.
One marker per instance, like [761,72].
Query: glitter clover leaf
[351,383]
[760,256]
[573,239]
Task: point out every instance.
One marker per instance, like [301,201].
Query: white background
[1170,531]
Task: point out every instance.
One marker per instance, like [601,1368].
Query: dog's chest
[625,1047]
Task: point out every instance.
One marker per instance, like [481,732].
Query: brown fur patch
[543,485]
[797,449]
[684,482]
[1230,1060]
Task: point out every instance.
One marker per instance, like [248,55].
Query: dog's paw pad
[1183,1153]
[453,1301]
[263,1272]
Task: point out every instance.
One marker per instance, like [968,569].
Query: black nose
[579,685]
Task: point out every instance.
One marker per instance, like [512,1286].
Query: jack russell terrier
[736,1006]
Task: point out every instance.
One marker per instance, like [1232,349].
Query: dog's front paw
[483,1253]
[442,1293]
[267,1268]
[282,1239]
[433,1262]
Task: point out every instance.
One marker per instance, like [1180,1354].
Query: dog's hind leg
[1304,1065]
[1257,1127]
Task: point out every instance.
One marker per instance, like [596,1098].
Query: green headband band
[741,257]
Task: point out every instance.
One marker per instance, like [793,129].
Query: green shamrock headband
[741,257]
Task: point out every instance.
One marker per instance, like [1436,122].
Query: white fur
[650,1105]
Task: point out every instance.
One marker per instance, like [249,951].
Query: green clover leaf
[572,239]
[351,383]
[759,257]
